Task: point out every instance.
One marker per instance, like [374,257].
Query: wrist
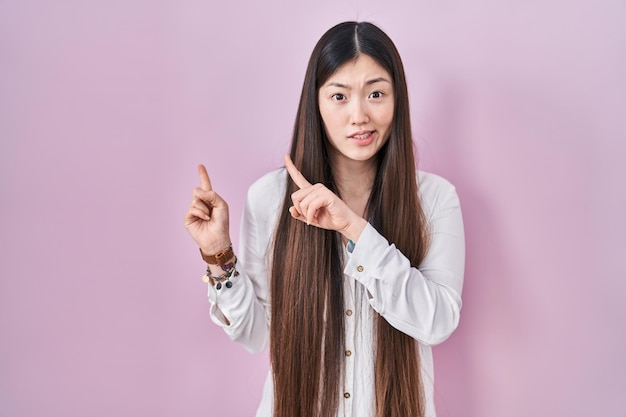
[220,269]
[354,230]
[215,248]
[220,275]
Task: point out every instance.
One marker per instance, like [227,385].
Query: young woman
[350,264]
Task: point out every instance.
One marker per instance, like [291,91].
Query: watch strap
[220,258]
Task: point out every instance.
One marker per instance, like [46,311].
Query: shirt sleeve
[423,302]
[242,311]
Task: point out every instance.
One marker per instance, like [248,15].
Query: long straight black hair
[307,329]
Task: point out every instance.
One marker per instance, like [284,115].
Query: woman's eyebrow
[378,80]
[368,82]
[336,84]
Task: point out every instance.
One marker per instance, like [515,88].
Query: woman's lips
[363,138]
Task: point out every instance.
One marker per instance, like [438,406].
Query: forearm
[424,303]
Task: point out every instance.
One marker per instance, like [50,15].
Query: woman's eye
[338,97]
[376,94]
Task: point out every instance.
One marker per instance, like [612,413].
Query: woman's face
[357,107]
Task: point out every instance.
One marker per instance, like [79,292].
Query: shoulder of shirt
[435,192]
[267,193]
[429,182]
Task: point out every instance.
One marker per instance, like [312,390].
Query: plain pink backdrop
[106,108]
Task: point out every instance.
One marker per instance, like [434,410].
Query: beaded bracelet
[229,271]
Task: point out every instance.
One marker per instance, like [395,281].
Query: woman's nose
[359,113]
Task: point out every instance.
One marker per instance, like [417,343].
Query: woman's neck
[354,180]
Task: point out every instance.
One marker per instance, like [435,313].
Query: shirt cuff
[366,255]
[223,298]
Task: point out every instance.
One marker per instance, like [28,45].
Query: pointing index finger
[295,175]
[205,181]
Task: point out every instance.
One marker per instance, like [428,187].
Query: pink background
[106,108]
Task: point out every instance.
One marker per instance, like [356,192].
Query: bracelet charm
[229,271]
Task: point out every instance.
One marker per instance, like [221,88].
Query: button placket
[350,331]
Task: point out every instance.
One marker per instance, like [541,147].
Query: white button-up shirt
[424,303]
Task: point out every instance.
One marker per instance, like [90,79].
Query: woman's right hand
[207,217]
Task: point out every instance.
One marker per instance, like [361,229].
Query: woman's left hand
[316,205]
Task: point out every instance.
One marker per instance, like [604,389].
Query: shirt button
[348,353]
[348,312]
[359,268]
[346,395]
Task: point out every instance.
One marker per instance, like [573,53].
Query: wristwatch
[220,258]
